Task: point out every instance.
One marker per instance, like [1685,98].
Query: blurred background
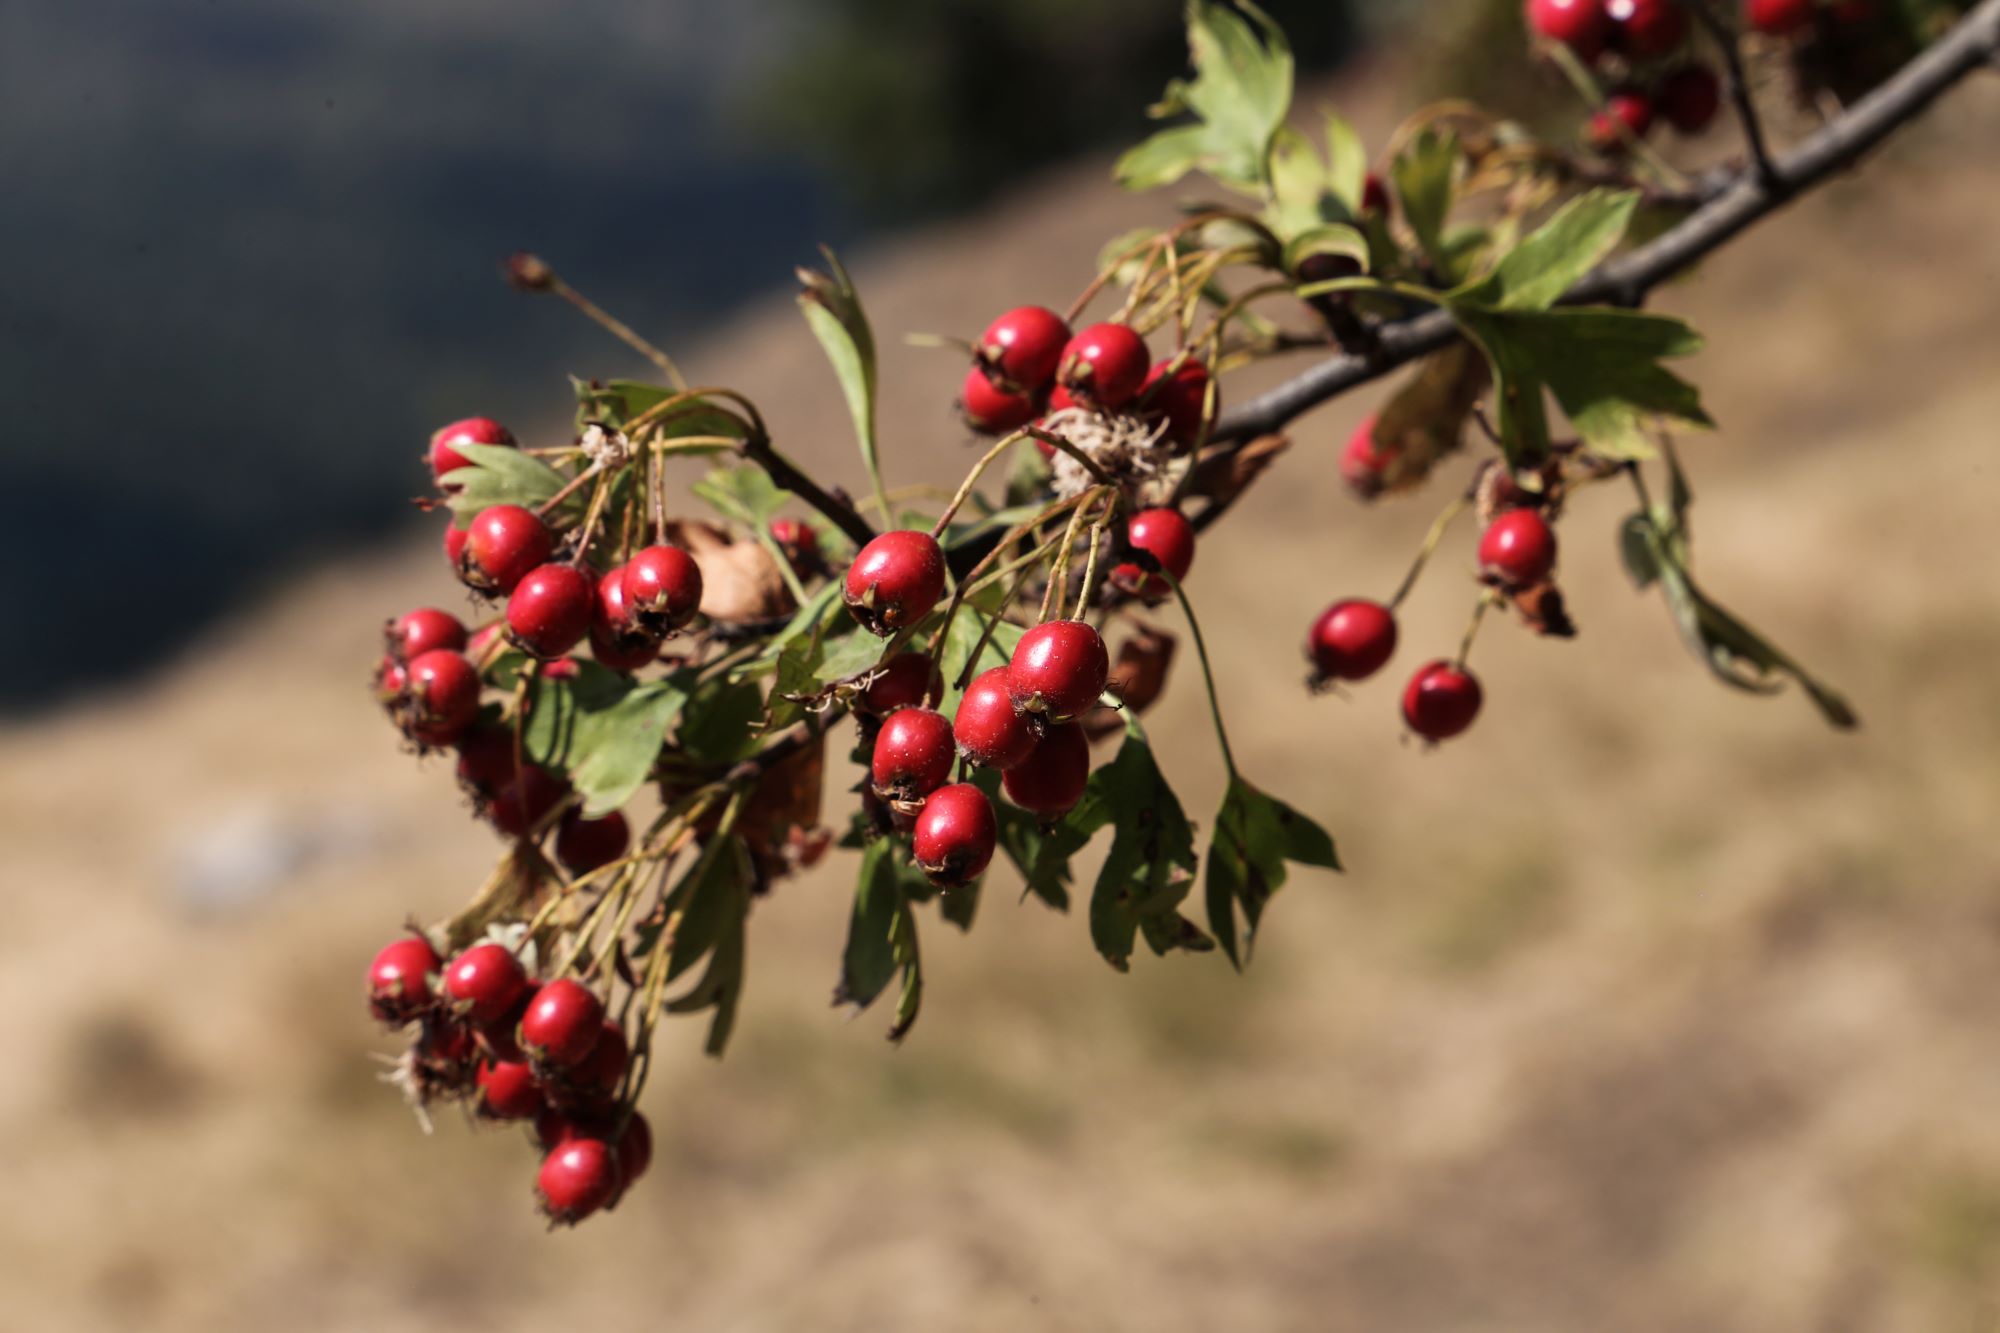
[1645,1006]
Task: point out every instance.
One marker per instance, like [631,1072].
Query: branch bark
[1733,201]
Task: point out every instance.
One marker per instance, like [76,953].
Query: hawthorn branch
[1733,201]
[786,476]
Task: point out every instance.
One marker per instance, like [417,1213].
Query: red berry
[1440,701]
[446,1043]
[635,1151]
[955,834]
[1580,25]
[1181,398]
[1023,347]
[454,543]
[1352,640]
[417,632]
[472,430]
[907,680]
[390,679]
[1365,462]
[796,539]
[1518,548]
[508,1090]
[578,1177]
[504,543]
[616,640]
[1104,365]
[1646,29]
[1050,781]
[895,581]
[562,1024]
[442,694]
[1689,98]
[1778,18]
[1623,113]
[1374,194]
[913,754]
[987,728]
[484,981]
[1058,670]
[549,612]
[663,588]
[583,845]
[1169,539]
[595,1078]
[496,1035]
[992,410]
[486,760]
[399,980]
[527,801]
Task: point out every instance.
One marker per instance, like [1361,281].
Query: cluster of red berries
[1648,40]
[511,1048]
[1028,365]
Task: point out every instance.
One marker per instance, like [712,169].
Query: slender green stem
[1486,598]
[1207,673]
[965,487]
[1439,526]
[619,330]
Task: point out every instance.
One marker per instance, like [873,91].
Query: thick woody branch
[786,476]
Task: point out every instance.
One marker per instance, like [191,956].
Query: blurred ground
[1647,1006]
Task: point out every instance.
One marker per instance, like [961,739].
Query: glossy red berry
[454,543]
[634,1151]
[578,1177]
[417,632]
[1050,781]
[472,430]
[907,680]
[1058,670]
[987,728]
[399,980]
[583,845]
[562,1025]
[1352,640]
[1365,461]
[1689,98]
[484,981]
[441,691]
[992,410]
[1778,18]
[504,543]
[390,679]
[549,611]
[1023,347]
[913,754]
[1518,548]
[1647,29]
[663,588]
[508,1090]
[1440,701]
[1166,536]
[616,640]
[797,540]
[955,834]
[595,1078]
[486,760]
[1581,25]
[1104,365]
[522,805]
[1623,113]
[1179,398]
[895,581]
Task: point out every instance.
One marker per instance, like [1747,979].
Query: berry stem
[617,328]
[1439,526]
[1005,443]
[1207,673]
[1059,568]
[569,488]
[1486,598]
[1738,84]
[992,622]
[1089,464]
[1090,561]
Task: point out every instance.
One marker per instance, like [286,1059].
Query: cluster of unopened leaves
[651,791]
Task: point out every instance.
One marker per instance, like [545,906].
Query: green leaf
[1636,536]
[714,902]
[616,746]
[1150,867]
[966,627]
[1239,96]
[1255,836]
[869,961]
[619,401]
[502,475]
[721,724]
[744,494]
[1425,176]
[1535,274]
[1346,163]
[1326,239]
[833,310]
[1042,855]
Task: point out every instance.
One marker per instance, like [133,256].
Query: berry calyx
[907,680]
[578,1177]
[1021,349]
[1581,25]
[484,981]
[992,410]
[1689,98]
[1623,113]
[508,1090]
[1365,462]
[987,728]
[955,834]
[472,430]
[1518,548]
[662,588]
[1179,397]
[913,754]
[399,980]
[1352,640]
[1050,781]
[1166,536]
[1778,18]
[1058,670]
[1440,701]
[549,611]
[503,544]
[616,640]
[1104,365]
[423,630]
[1646,29]
[895,581]
[440,697]
[584,845]
[562,1025]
